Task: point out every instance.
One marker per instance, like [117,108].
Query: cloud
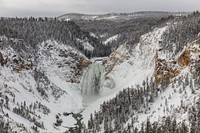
[57,7]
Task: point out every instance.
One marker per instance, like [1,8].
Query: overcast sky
[21,8]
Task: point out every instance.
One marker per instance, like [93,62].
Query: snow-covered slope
[35,90]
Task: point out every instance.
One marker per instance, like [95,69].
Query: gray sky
[21,8]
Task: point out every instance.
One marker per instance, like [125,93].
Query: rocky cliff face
[168,69]
[116,58]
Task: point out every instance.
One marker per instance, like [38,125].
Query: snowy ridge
[116,16]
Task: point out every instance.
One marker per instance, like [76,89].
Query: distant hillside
[33,31]
[117,16]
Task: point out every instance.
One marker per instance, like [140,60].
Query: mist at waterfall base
[92,82]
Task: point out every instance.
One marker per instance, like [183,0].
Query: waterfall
[92,80]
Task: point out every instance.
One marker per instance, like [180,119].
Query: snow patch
[111,39]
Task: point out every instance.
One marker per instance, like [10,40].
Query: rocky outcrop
[184,60]
[83,63]
[165,71]
[20,65]
[117,57]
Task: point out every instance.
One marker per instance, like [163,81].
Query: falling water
[92,81]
